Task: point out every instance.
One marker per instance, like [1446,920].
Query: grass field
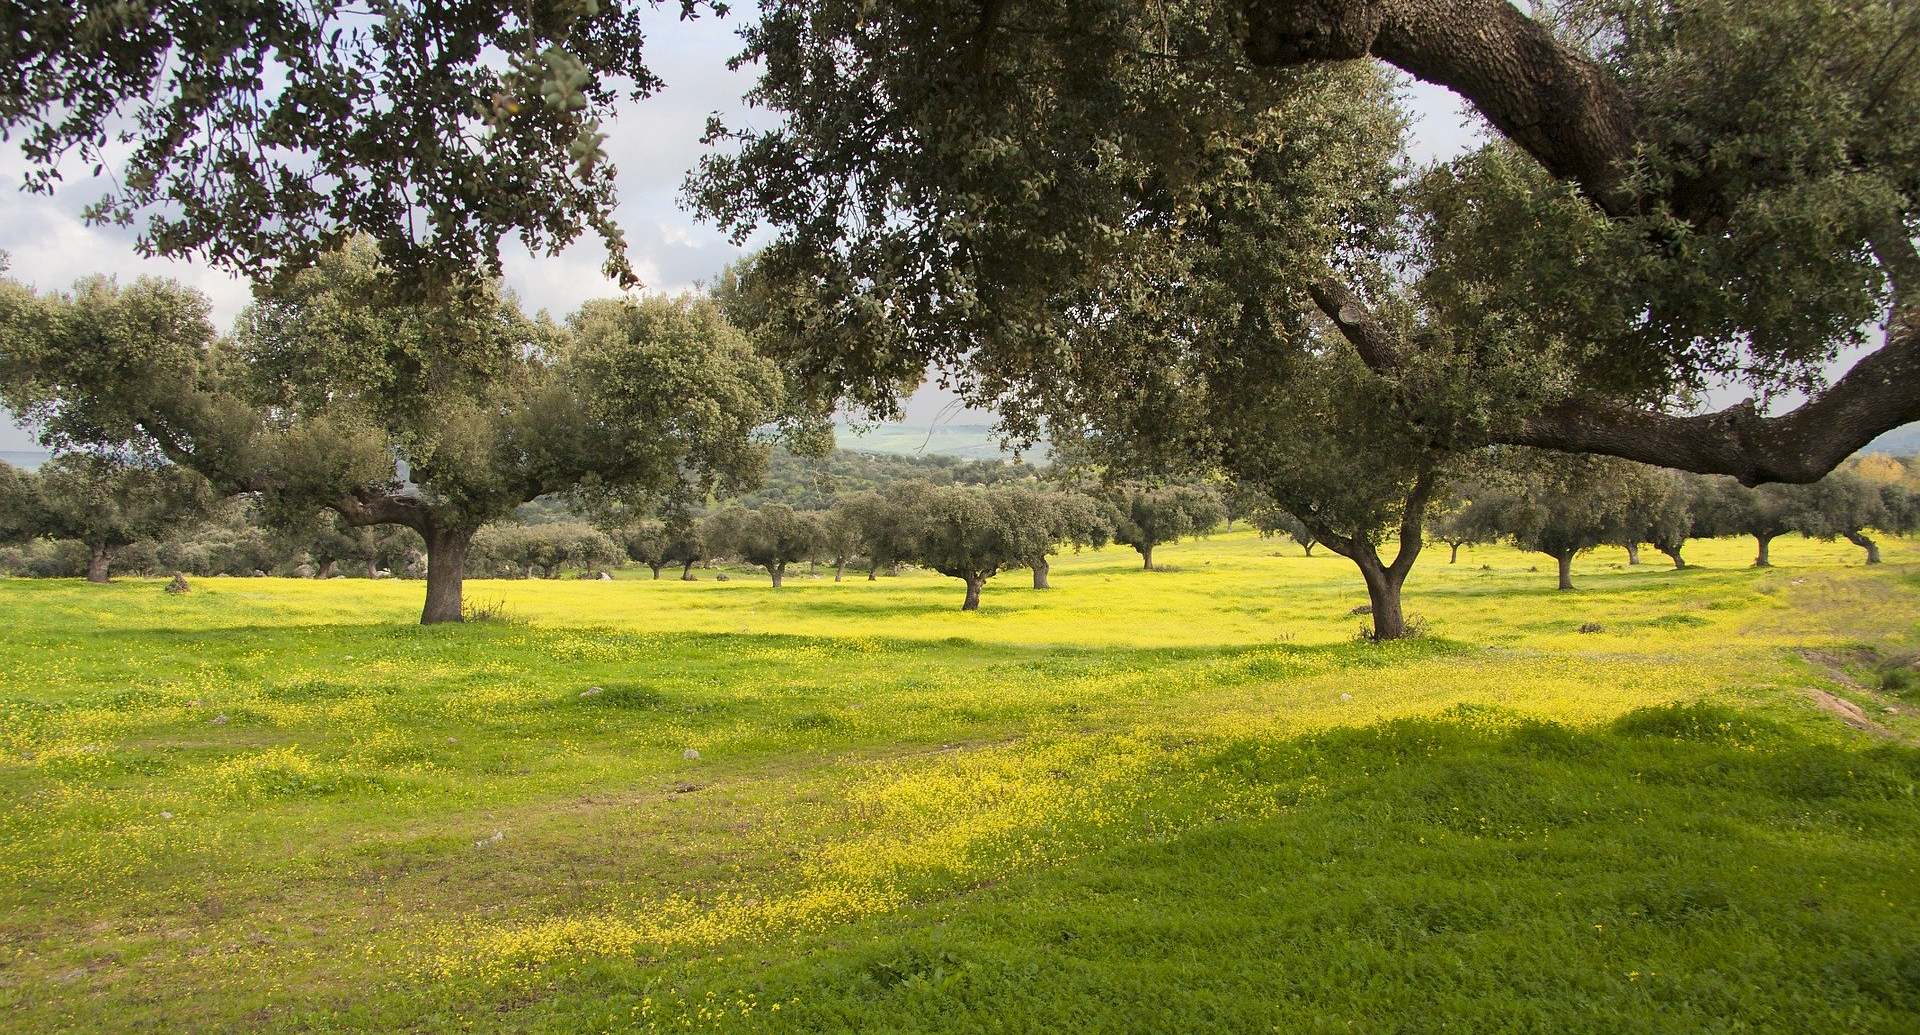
[1168,801]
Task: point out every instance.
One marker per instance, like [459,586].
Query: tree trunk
[1673,553]
[840,567]
[96,562]
[656,570]
[1454,557]
[1633,553]
[1308,549]
[1763,560]
[1383,592]
[973,594]
[1566,569]
[373,567]
[1864,542]
[446,569]
[1040,570]
[325,571]
[873,570]
[1146,557]
[686,572]
[778,571]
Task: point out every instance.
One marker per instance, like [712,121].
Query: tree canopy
[339,391]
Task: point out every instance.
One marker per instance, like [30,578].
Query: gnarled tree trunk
[1566,569]
[1864,542]
[840,567]
[1673,552]
[446,573]
[1454,556]
[656,570]
[779,573]
[1146,557]
[974,583]
[97,562]
[1040,571]
[1763,559]
[686,572]
[1384,583]
[1633,552]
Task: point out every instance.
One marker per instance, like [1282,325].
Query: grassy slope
[1142,802]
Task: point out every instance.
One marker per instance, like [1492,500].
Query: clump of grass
[491,611]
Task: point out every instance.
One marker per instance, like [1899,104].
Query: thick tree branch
[1558,105]
[363,507]
[1412,522]
[1800,446]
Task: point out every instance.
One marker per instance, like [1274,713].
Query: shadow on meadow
[1685,868]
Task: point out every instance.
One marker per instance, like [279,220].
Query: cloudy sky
[653,144]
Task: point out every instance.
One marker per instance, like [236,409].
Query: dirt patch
[1851,714]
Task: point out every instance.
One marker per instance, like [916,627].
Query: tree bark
[1864,542]
[1308,549]
[778,571]
[1763,559]
[446,573]
[873,570]
[1673,553]
[973,594]
[1633,552]
[97,563]
[1040,571]
[1384,583]
[1566,570]
[656,570]
[1146,557]
[1454,556]
[325,570]
[840,567]
[686,572]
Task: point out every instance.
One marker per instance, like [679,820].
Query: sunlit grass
[275,804]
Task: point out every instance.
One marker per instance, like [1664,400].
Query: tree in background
[337,374]
[841,537]
[107,504]
[1459,517]
[1145,517]
[658,544]
[1050,519]
[1564,505]
[545,548]
[1272,520]
[973,534]
[886,522]
[772,537]
[1725,507]
[1842,505]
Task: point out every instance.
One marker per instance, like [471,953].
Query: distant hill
[1898,442]
[25,459]
[966,441]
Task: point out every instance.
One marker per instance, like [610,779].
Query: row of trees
[970,533]
[1562,505]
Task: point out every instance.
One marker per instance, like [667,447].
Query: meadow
[1179,800]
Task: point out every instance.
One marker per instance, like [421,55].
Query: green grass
[1141,802]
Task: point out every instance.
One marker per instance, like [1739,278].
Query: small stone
[722,577]
[1363,609]
[690,754]
[219,720]
[494,840]
[166,815]
[592,691]
[1346,697]
[1592,627]
[179,584]
[453,740]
